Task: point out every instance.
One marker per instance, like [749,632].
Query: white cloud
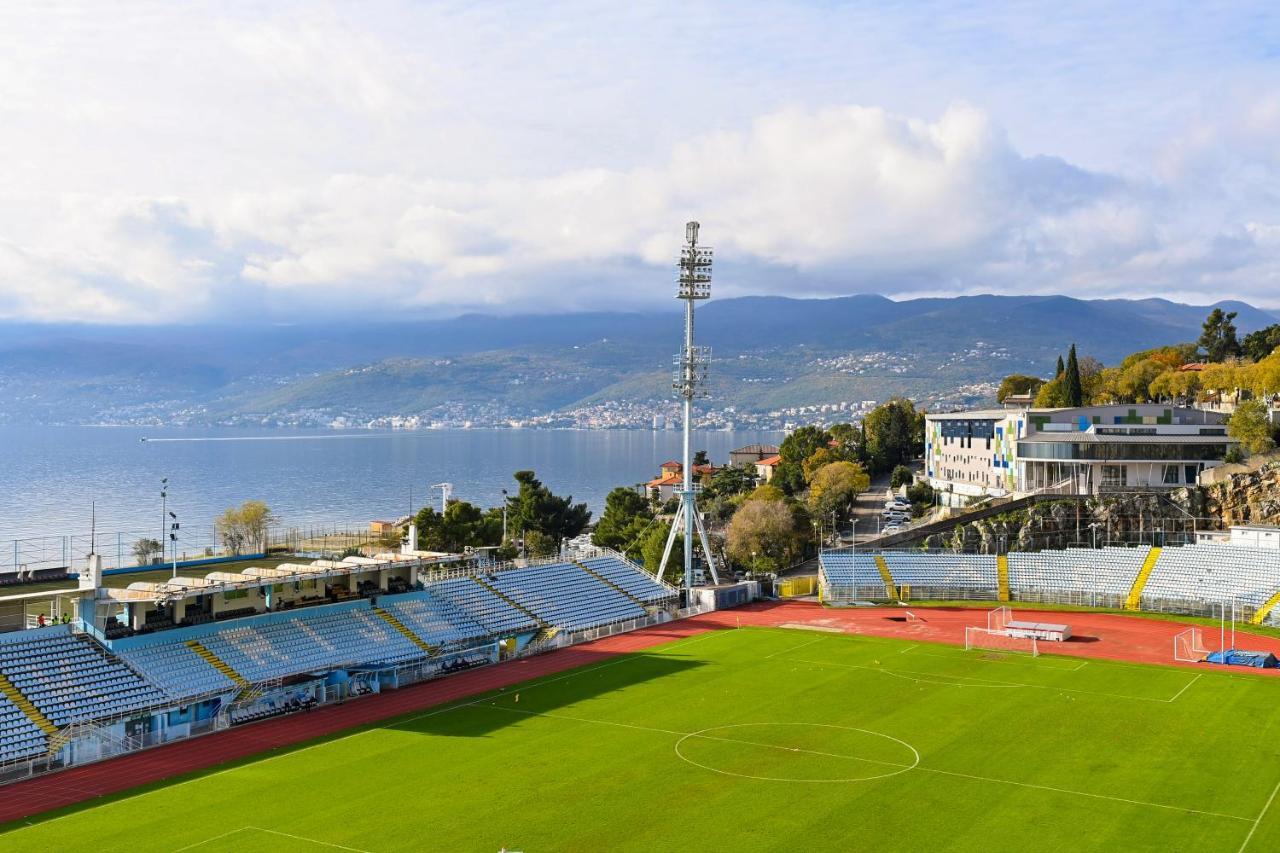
[169,163]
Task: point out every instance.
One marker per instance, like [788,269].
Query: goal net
[1189,646]
[998,620]
[984,639]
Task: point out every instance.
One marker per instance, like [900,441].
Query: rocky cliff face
[1245,494]
[1130,519]
[1236,494]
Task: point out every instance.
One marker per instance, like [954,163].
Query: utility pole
[689,380]
[446,492]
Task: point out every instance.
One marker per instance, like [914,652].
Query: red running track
[1128,638]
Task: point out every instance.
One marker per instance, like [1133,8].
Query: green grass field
[757,739]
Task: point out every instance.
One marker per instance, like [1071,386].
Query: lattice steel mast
[689,380]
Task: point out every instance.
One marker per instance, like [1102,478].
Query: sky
[177,162]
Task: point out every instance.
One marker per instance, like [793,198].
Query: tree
[626,515]
[535,508]
[848,442]
[901,476]
[145,551]
[1018,383]
[1262,343]
[1061,367]
[1176,386]
[1072,389]
[803,443]
[700,458]
[245,526]
[1251,426]
[763,535]
[651,546]
[836,486]
[1218,338]
[463,525]
[729,481]
[895,434]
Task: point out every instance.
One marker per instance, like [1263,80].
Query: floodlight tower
[689,380]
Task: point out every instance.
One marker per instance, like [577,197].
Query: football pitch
[755,739]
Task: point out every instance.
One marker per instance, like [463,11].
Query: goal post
[998,620]
[984,639]
[1189,646]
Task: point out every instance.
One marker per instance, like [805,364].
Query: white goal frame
[1189,646]
[984,639]
[998,620]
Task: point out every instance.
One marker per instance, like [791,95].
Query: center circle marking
[702,734]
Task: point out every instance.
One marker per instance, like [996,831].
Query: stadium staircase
[1264,611]
[608,582]
[391,620]
[33,713]
[217,663]
[889,585]
[1134,601]
[1002,574]
[509,600]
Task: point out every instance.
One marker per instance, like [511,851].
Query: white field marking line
[309,840]
[1082,793]
[900,768]
[1257,820]
[793,648]
[909,648]
[990,779]
[1185,686]
[210,840]
[622,658]
[1041,664]
[701,736]
[930,678]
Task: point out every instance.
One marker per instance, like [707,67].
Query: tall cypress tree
[1073,392]
[1061,367]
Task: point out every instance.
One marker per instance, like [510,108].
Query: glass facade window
[960,428]
[1105,451]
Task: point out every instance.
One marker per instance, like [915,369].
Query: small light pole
[164,515]
[173,537]
[504,517]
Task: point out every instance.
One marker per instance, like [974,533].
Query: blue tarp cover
[1238,657]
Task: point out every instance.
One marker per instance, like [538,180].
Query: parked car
[891,528]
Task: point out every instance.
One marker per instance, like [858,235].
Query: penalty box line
[316,841]
[908,675]
[921,767]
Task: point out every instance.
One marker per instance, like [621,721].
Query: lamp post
[173,537]
[504,517]
[164,506]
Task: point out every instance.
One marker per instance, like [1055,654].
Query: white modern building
[1083,451]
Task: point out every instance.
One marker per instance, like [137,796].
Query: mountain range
[769,353]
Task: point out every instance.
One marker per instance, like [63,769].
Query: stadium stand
[436,620]
[482,606]
[310,642]
[846,569]
[178,670]
[563,595]
[19,736]
[1109,571]
[1214,573]
[71,679]
[221,667]
[1185,579]
[973,573]
[640,586]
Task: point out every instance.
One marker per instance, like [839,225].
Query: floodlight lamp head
[691,233]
